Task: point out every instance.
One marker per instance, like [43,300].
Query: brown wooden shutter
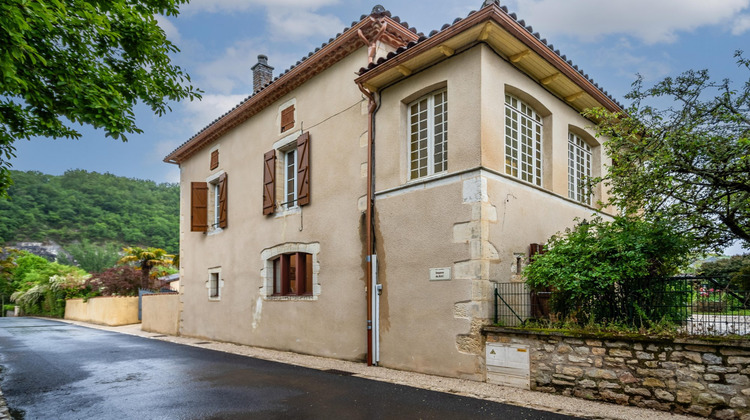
[214,159]
[287,118]
[303,169]
[534,250]
[269,182]
[223,200]
[198,206]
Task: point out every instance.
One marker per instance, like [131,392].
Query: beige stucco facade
[329,323]
[441,241]
[472,218]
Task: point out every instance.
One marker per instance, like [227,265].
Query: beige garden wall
[112,311]
[161,313]
[333,322]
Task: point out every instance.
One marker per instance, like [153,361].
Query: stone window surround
[282,146]
[266,273]
[213,206]
[211,271]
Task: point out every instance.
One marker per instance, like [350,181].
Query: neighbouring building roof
[493,25]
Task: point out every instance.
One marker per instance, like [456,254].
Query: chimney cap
[262,61]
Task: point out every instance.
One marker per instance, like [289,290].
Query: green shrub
[612,271]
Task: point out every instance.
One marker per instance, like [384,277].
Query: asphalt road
[54,370]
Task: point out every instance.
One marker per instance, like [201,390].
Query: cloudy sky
[221,39]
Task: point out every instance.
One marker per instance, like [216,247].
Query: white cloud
[651,21]
[296,24]
[622,59]
[172,33]
[741,24]
[214,6]
[232,70]
[201,113]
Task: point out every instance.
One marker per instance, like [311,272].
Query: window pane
[428,125]
[579,168]
[214,285]
[523,141]
[291,178]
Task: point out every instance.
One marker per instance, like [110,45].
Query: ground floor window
[292,274]
[214,284]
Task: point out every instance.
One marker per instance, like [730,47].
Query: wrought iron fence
[692,305]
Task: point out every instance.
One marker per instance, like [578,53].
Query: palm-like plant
[145,259]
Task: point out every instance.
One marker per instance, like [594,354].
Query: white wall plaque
[439,274]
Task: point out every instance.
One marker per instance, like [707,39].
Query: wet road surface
[54,370]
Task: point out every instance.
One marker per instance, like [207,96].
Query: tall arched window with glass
[579,169]
[428,135]
[523,141]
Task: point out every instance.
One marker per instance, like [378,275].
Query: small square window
[214,160]
[214,284]
[287,118]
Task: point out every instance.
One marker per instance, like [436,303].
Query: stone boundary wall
[704,377]
[161,313]
[109,310]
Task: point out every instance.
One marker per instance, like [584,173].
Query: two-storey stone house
[380,187]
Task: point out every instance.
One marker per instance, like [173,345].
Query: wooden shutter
[198,206]
[269,182]
[214,159]
[223,200]
[303,169]
[534,250]
[287,118]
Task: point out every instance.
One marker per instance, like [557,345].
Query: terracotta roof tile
[521,22]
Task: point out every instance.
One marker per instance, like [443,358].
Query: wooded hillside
[88,205]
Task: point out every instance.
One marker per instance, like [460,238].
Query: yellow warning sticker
[521,350]
[492,352]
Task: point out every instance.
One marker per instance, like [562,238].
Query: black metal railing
[689,305]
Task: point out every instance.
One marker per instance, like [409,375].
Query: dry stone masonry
[709,378]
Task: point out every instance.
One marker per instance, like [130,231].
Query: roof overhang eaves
[481,23]
[334,51]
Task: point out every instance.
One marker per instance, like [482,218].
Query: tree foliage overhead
[83,62]
[682,151]
[100,208]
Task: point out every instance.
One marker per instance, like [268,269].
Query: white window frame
[283,147]
[220,283]
[213,185]
[433,130]
[579,168]
[290,161]
[524,133]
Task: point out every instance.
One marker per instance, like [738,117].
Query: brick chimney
[262,73]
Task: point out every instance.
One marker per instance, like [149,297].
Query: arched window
[428,135]
[523,141]
[579,168]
